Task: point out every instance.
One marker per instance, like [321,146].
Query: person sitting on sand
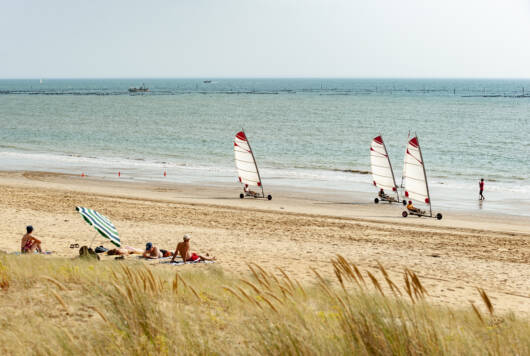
[151,251]
[183,249]
[30,243]
[412,209]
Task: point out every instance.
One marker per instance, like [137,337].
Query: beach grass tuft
[55,306]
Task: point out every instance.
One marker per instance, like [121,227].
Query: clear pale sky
[264,38]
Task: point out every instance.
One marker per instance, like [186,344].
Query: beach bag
[101,249]
[87,253]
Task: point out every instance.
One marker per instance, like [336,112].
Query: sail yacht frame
[248,192]
[379,140]
[421,213]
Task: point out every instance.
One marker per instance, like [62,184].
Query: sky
[265,38]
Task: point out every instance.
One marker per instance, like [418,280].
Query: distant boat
[142,89]
[207,81]
[41,81]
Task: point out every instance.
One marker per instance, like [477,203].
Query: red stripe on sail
[427,200]
[259,184]
[406,194]
[394,189]
[239,179]
[379,140]
[241,135]
[414,142]
[374,183]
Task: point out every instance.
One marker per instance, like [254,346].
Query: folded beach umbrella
[101,223]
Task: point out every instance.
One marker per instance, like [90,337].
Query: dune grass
[72,307]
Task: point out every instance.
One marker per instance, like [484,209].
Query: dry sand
[294,231]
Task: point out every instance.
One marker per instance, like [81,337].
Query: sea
[306,133]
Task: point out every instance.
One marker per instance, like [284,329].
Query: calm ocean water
[305,132]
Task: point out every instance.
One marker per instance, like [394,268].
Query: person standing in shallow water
[481,189]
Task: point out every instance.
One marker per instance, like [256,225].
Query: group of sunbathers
[31,244]
[182,249]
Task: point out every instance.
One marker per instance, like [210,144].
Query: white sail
[416,187]
[382,173]
[247,169]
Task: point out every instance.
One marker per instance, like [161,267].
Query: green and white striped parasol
[101,223]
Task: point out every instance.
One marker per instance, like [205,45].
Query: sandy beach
[296,231]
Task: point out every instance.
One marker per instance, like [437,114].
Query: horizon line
[269,77]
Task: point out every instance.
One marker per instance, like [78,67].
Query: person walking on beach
[481,189]
[30,243]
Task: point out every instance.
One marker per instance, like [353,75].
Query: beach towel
[179,263]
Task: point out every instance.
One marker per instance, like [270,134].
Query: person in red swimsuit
[29,243]
[481,189]
[183,249]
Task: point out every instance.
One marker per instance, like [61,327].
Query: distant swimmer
[481,189]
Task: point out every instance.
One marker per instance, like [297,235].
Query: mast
[425,175]
[403,171]
[391,169]
[255,164]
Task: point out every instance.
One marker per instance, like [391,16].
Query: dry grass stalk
[248,297]
[486,300]
[269,303]
[477,313]
[59,299]
[289,282]
[393,287]
[375,282]
[251,285]
[55,282]
[99,313]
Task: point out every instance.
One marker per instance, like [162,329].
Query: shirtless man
[29,243]
[183,249]
[151,251]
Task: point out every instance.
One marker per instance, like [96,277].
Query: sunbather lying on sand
[151,251]
[124,251]
[154,252]
[29,243]
[183,249]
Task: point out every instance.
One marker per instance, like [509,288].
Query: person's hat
[187,237]
[410,201]
[148,246]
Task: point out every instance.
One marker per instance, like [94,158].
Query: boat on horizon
[142,89]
